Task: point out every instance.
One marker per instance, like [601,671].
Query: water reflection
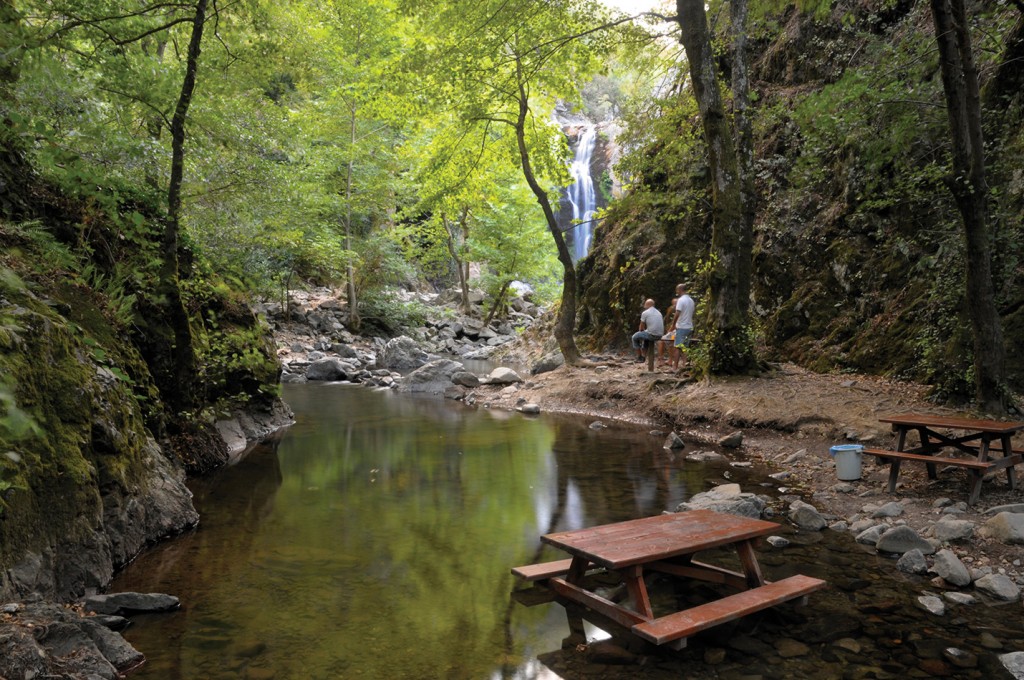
[374,538]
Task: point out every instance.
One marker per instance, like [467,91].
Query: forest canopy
[366,145]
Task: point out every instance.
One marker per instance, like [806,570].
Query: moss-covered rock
[91,487]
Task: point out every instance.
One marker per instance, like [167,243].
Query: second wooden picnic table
[979,438]
[666,544]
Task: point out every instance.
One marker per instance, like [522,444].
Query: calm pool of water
[374,538]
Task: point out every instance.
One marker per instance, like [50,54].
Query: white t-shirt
[654,323]
[684,311]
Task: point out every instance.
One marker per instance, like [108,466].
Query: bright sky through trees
[634,6]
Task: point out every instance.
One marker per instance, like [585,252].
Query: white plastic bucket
[847,457]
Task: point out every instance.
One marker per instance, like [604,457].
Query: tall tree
[731,240]
[499,68]
[354,119]
[183,364]
[970,190]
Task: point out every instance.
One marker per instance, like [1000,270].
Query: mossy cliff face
[91,488]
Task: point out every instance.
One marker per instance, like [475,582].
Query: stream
[374,539]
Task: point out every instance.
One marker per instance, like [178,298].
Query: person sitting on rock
[652,327]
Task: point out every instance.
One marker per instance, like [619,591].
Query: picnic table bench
[977,441]
[666,544]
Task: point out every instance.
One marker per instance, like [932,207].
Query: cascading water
[581,193]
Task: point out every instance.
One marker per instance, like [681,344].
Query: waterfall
[581,193]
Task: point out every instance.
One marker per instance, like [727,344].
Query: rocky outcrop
[50,641]
[92,487]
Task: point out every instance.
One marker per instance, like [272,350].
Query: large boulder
[434,377]
[999,586]
[503,375]
[948,566]
[402,354]
[1006,527]
[806,516]
[329,368]
[131,603]
[902,539]
[727,498]
[548,362]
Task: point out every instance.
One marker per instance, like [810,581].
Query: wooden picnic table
[666,544]
[978,438]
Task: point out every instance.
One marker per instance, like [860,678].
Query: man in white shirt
[652,327]
[682,321]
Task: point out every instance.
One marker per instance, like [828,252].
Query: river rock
[1009,507]
[950,568]
[891,509]
[912,562]
[1014,663]
[727,498]
[959,598]
[548,362]
[344,350]
[402,354]
[998,586]
[503,375]
[932,604]
[871,535]
[731,441]
[130,603]
[674,441]
[899,540]
[789,648]
[329,368]
[434,377]
[1006,527]
[530,409]
[50,639]
[607,652]
[466,379]
[705,457]
[806,516]
[950,530]
[960,657]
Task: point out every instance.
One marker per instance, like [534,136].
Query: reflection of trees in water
[656,479]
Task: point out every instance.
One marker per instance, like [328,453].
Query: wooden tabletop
[639,541]
[975,424]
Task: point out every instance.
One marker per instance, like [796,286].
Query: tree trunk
[970,192]
[729,347]
[354,320]
[180,392]
[461,266]
[497,302]
[566,320]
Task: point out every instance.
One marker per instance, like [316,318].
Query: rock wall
[89,487]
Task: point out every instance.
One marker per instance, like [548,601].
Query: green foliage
[385,314]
